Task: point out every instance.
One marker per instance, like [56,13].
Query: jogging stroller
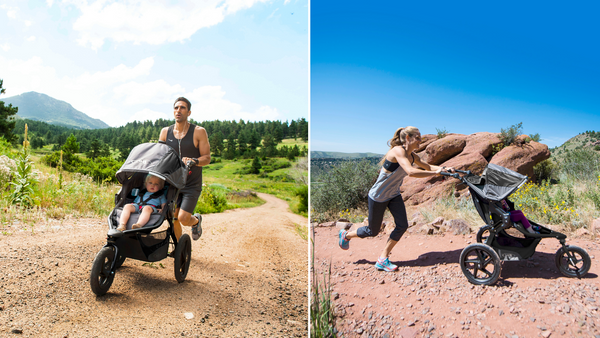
[142,244]
[480,262]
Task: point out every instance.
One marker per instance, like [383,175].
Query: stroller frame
[143,244]
[481,261]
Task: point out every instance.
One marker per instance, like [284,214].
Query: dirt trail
[430,297]
[247,278]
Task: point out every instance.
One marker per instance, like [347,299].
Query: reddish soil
[248,278]
[430,297]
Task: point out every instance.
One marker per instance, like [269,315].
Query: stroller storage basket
[150,247]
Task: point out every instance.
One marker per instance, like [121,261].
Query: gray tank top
[194,180]
[388,184]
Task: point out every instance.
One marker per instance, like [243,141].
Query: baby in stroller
[152,200]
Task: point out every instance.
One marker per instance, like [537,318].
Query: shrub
[212,200]
[535,137]
[441,133]
[581,164]
[344,186]
[302,193]
[544,170]
[509,135]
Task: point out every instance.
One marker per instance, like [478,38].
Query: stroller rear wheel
[574,262]
[480,264]
[483,233]
[183,255]
[101,277]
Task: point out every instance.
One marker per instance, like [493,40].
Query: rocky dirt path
[430,297]
[247,278]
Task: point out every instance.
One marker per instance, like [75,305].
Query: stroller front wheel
[480,264]
[183,255]
[573,262]
[101,277]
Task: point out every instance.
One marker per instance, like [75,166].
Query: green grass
[227,173]
[290,142]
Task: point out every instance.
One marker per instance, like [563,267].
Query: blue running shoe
[384,264]
[344,243]
[197,229]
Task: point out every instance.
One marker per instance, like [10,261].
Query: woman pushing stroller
[385,193]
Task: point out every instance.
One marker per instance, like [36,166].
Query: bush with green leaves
[441,133]
[212,200]
[344,186]
[508,136]
[545,170]
[582,164]
[302,193]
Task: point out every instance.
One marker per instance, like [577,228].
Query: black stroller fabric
[157,159]
[496,183]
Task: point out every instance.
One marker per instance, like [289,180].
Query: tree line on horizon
[228,139]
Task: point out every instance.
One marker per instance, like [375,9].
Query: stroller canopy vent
[498,182]
[154,158]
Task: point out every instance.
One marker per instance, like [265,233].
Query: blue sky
[461,66]
[128,60]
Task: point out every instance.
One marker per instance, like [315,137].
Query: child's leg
[125,214]
[145,216]
[517,216]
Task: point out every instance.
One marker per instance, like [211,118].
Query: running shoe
[344,243]
[197,229]
[384,264]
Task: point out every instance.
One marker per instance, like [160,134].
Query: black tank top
[194,180]
[392,166]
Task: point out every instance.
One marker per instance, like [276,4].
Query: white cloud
[208,103]
[286,2]
[153,22]
[147,114]
[5,47]
[28,23]
[31,38]
[108,95]
[273,14]
[11,14]
[157,91]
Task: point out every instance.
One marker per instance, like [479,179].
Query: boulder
[596,226]
[458,226]
[426,140]
[477,147]
[445,148]
[522,158]
[475,155]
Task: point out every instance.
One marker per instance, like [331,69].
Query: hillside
[587,140]
[41,107]
[333,154]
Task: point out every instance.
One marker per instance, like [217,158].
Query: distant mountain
[41,107]
[332,154]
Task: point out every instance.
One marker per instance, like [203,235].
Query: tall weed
[322,317]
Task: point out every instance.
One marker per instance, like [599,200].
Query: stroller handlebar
[455,174]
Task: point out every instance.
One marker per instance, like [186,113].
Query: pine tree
[7,120]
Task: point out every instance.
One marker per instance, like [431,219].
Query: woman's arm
[430,167]
[425,171]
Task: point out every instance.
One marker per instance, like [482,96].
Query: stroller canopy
[496,183]
[157,159]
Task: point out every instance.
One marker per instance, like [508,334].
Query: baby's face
[153,184]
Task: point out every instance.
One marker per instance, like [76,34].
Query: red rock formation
[475,155]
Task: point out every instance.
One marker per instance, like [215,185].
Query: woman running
[385,193]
